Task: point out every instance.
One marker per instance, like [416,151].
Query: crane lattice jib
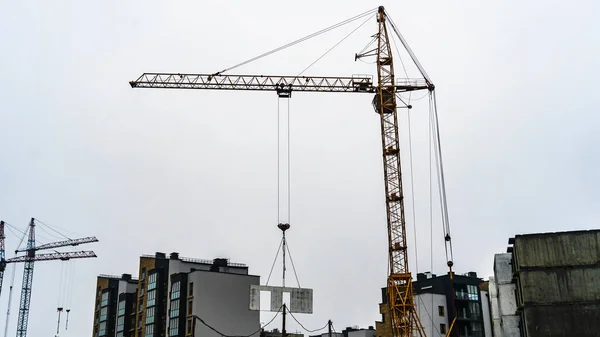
[356,84]
[65,243]
[404,319]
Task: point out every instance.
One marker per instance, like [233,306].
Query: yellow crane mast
[404,319]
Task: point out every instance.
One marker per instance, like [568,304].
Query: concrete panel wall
[560,249]
[560,285]
[222,301]
[485,311]
[563,321]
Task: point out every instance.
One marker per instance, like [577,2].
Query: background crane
[29,258]
[404,320]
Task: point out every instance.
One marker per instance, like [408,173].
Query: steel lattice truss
[65,243]
[64,256]
[359,83]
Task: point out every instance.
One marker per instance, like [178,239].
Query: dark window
[441,311]
[151,300]
[191,289]
[175,288]
[152,281]
[174,327]
[189,326]
[189,308]
[442,328]
[174,309]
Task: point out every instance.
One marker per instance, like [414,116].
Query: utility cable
[289,167]
[429,135]
[412,191]
[430,316]
[293,267]
[303,327]
[274,261]
[278,164]
[24,234]
[399,55]
[334,46]
[54,230]
[337,25]
[224,335]
[410,52]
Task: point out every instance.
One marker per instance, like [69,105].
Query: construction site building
[555,277]
[177,296]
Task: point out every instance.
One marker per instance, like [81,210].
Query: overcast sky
[195,171]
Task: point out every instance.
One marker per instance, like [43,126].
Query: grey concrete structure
[505,319]
[547,284]
[557,283]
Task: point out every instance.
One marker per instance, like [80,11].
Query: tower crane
[404,319]
[29,258]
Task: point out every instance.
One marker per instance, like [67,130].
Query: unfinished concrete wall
[562,321]
[495,309]
[504,302]
[560,285]
[557,249]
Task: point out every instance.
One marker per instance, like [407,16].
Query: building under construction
[555,281]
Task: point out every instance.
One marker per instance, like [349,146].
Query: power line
[252,334]
[307,330]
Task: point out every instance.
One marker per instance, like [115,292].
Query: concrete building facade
[557,282]
[505,319]
[177,297]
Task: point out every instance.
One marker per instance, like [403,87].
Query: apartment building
[177,296]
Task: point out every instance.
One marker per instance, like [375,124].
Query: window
[189,326]
[473,292]
[141,289]
[174,327]
[441,311]
[152,281]
[175,290]
[191,289]
[102,329]
[150,315]
[174,309]
[150,301]
[189,308]
[105,298]
[121,308]
[143,277]
[474,309]
[120,323]
[149,330]
[103,313]
[139,325]
[140,306]
[119,334]
[442,328]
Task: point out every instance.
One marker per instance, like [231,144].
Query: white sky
[195,171]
